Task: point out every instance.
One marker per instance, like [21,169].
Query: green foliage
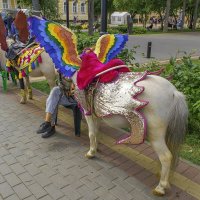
[117,29]
[186,77]
[76,27]
[128,55]
[84,41]
[42,86]
[49,7]
[139,30]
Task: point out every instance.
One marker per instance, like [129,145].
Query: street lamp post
[103,17]
[67,13]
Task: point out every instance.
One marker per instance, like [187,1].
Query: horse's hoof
[158,193]
[89,156]
[23,101]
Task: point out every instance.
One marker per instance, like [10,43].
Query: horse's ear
[3,43]
[22,26]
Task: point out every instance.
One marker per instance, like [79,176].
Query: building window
[119,19]
[65,7]
[5,4]
[75,7]
[83,8]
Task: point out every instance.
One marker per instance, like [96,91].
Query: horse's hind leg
[159,145]
[93,129]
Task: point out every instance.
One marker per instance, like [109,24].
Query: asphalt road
[165,45]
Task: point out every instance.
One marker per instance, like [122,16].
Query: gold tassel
[30,68]
[8,64]
[20,75]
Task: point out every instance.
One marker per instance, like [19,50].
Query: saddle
[17,47]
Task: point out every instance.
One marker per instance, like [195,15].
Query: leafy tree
[48,7]
[36,5]
[90,16]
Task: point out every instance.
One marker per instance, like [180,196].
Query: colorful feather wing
[59,42]
[22,26]
[108,46]
[3,43]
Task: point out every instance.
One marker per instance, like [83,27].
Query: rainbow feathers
[108,46]
[59,42]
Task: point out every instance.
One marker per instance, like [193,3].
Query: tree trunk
[90,17]
[183,14]
[195,15]
[36,5]
[165,29]
[161,21]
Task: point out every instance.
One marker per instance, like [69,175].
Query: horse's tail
[177,126]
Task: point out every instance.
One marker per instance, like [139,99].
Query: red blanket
[91,66]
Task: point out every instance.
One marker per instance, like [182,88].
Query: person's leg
[51,107]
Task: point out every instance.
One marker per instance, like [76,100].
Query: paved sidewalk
[55,168]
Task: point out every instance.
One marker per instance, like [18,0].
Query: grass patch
[42,86]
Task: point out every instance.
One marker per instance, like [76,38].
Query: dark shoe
[49,132]
[44,127]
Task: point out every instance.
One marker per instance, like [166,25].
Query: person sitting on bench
[60,95]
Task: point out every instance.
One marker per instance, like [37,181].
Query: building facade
[8,4]
[78,10]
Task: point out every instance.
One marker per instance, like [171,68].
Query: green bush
[139,30]
[186,77]
[117,29]
[84,41]
[76,28]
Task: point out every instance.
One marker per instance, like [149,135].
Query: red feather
[3,43]
[22,26]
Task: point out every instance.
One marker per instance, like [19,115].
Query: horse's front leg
[29,88]
[93,129]
[23,91]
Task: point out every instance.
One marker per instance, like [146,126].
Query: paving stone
[69,191]
[22,191]
[105,182]
[5,190]
[31,198]
[90,183]
[23,160]
[47,197]
[54,192]
[9,159]
[17,168]
[12,179]
[32,169]
[59,181]
[38,162]
[26,178]
[13,197]
[104,193]
[138,195]
[1,179]
[5,169]
[43,180]
[120,193]
[48,171]
[37,190]
[87,193]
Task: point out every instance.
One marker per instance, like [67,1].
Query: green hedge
[123,29]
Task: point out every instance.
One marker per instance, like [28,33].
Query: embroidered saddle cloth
[26,58]
[118,97]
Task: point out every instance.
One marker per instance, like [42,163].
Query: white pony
[121,101]
[166,116]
